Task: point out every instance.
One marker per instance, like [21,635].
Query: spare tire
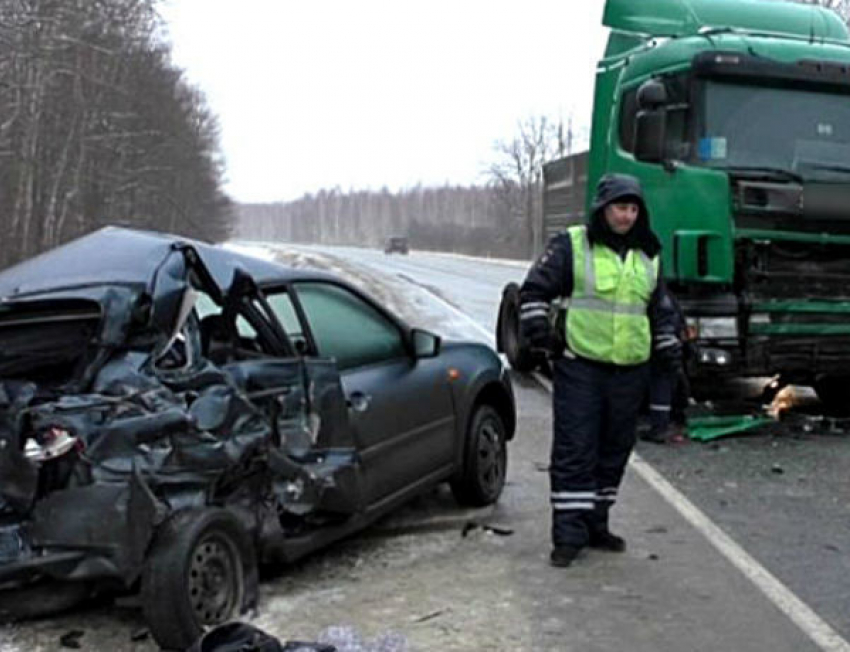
[509,335]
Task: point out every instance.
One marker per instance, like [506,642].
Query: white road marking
[824,636]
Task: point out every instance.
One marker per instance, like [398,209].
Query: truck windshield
[797,130]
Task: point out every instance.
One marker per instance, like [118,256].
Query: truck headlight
[714,328]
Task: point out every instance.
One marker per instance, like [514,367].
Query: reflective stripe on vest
[606,318]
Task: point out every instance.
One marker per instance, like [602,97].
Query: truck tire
[485,460]
[200,572]
[834,393]
[509,335]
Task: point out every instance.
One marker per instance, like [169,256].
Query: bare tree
[97,127]
[517,174]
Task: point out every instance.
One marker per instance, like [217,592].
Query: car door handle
[358,401]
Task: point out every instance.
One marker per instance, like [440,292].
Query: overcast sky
[365,93]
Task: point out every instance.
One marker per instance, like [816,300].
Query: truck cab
[734,115]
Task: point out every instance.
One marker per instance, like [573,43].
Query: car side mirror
[425,344]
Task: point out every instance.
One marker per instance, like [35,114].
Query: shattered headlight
[714,328]
[50,444]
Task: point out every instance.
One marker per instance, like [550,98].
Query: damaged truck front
[112,422]
[734,116]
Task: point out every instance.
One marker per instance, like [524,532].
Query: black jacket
[552,275]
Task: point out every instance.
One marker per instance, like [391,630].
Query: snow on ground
[415,304]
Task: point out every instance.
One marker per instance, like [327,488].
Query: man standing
[607,274]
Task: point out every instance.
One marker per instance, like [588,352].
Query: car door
[400,407]
[311,439]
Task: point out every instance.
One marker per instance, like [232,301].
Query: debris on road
[712,426]
[71,639]
[469,526]
[429,616]
[707,421]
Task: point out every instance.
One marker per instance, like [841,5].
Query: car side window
[283,308]
[215,343]
[348,328]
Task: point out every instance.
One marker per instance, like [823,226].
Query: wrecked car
[174,415]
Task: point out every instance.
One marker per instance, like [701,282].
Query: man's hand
[536,332]
[667,350]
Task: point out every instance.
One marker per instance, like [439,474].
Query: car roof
[121,256]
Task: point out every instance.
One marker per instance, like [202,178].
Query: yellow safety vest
[606,314]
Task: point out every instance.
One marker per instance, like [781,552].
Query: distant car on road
[397,244]
[173,415]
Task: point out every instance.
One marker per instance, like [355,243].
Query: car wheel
[485,463]
[200,572]
[518,355]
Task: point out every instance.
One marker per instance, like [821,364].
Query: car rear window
[45,343]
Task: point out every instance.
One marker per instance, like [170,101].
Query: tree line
[98,127]
[466,219]
[490,219]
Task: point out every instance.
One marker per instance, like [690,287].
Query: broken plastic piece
[55,442]
[491,529]
[706,428]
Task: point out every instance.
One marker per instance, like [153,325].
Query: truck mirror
[651,95]
[650,135]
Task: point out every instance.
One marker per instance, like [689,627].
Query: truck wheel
[485,461]
[834,393]
[200,572]
[509,335]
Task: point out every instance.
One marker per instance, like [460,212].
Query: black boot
[563,556]
[605,540]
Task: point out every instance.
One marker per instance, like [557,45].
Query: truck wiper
[829,167]
[771,173]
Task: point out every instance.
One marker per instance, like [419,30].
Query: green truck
[735,116]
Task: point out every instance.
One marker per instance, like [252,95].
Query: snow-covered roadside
[250,245]
[416,305]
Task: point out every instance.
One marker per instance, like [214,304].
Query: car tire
[834,393]
[485,461]
[200,572]
[518,355]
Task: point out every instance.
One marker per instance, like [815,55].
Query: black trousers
[595,411]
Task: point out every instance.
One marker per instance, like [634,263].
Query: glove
[536,332]
[667,350]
